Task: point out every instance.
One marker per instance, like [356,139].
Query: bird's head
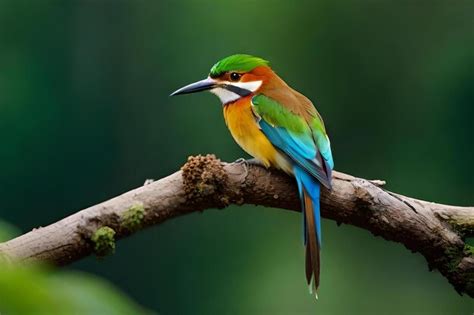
[231,78]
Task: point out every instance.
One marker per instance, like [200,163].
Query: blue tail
[309,191]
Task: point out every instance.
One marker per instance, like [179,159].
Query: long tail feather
[312,245]
[309,189]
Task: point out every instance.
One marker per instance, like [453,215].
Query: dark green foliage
[41,291]
[85,116]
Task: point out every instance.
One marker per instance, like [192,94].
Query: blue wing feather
[301,149]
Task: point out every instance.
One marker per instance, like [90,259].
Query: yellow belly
[243,127]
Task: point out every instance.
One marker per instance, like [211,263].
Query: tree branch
[434,230]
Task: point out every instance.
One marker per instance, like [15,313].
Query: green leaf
[39,290]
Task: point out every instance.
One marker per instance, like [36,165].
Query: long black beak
[203,85]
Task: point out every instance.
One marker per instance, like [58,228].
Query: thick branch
[434,230]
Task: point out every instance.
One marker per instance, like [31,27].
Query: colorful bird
[279,127]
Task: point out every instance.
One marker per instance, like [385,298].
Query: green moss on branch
[104,241]
[133,217]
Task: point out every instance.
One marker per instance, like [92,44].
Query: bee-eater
[281,128]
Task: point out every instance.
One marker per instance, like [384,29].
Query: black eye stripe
[237,90]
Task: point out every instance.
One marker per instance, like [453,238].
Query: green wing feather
[278,115]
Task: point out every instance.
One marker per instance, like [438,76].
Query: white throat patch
[224,95]
[227,96]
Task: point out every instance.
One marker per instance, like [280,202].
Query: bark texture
[436,231]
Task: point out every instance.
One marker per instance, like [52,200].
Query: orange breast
[243,127]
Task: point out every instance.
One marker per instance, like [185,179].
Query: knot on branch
[204,177]
[459,264]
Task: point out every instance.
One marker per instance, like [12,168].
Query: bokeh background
[85,115]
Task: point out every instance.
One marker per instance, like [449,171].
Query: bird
[280,128]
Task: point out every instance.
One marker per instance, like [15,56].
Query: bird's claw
[253,161]
[246,163]
[240,161]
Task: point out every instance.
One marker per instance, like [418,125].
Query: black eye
[234,76]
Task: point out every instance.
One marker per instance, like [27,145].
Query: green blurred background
[85,115]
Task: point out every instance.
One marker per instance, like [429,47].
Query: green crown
[239,62]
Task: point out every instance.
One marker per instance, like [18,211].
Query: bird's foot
[253,161]
[246,163]
[240,161]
